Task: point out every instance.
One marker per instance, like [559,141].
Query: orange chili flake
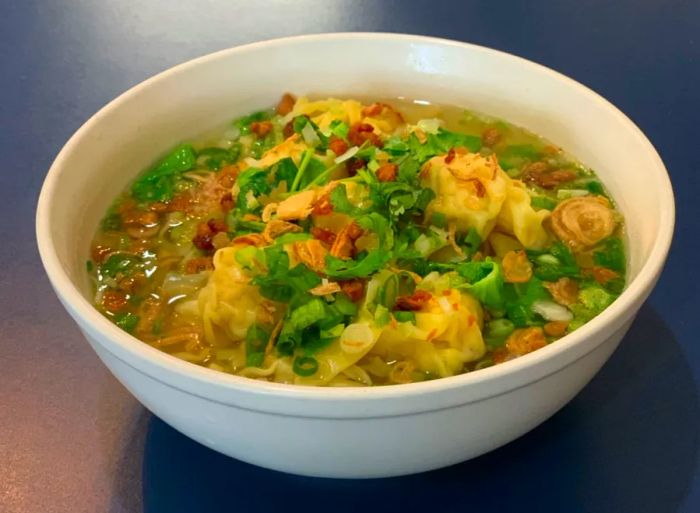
[516,267]
[450,156]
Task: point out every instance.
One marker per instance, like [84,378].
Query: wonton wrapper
[519,218]
[470,190]
[446,336]
[229,304]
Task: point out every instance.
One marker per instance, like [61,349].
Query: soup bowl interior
[351,431]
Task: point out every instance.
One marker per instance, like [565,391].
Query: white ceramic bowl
[351,432]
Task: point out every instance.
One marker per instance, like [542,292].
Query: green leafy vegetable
[251,181]
[118,263]
[244,123]
[543,202]
[611,255]
[126,321]
[497,332]
[339,129]
[559,262]
[215,157]
[255,342]
[440,143]
[519,298]
[405,316]
[515,155]
[158,183]
[284,171]
[484,280]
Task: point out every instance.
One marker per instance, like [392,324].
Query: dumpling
[355,342]
[446,335]
[229,304]
[323,112]
[519,218]
[470,190]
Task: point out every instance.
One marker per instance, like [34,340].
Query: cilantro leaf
[158,183]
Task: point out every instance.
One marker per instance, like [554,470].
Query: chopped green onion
[405,316]
[305,366]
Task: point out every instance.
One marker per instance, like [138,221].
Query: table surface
[72,439]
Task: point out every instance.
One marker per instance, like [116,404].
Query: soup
[347,243]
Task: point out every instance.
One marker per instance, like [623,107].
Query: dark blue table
[73,440]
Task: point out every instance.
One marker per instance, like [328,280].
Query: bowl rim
[87,315]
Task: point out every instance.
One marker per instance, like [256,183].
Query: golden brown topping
[373,109]
[310,253]
[288,130]
[114,301]
[491,136]
[250,239]
[325,236]
[298,206]
[387,172]
[129,284]
[203,238]
[197,265]
[182,202]
[541,174]
[383,111]
[227,176]
[325,288]
[277,227]
[526,340]
[603,275]
[555,328]
[564,291]
[355,288]
[361,132]
[261,128]
[353,165]
[337,145]
[414,302]
[286,104]
[323,205]
[217,225]
[344,244]
[227,202]
[516,267]
[583,222]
